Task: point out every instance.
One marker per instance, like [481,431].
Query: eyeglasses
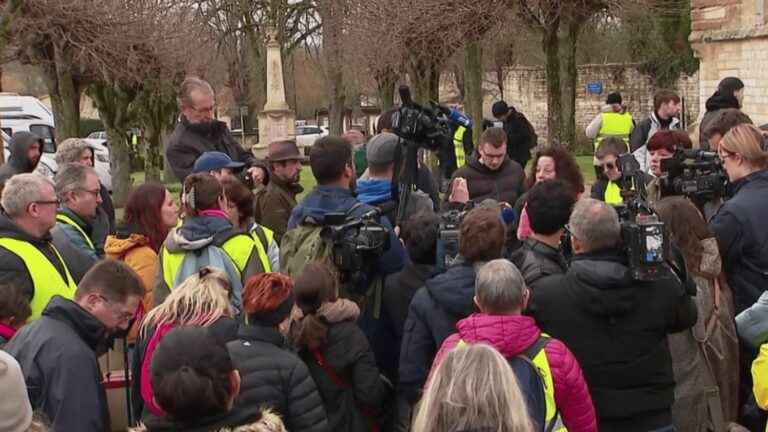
[95,193]
[609,165]
[123,316]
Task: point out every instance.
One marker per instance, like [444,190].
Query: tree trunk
[64,91]
[425,75]
[554,102]
[473,85]
[568,82]
[385,86]
[113,103]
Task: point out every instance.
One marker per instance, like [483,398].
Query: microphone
[405,95]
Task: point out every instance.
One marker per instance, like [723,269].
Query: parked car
[27,113]
[307,135]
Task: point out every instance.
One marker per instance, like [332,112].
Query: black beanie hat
[613,98]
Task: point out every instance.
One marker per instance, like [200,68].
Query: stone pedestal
[277,120]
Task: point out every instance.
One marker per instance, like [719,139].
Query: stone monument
[276,120]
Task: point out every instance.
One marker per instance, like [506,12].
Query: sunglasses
[609,165]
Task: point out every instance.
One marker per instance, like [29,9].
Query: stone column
[276,120]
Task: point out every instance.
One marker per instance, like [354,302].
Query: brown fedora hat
[283,150]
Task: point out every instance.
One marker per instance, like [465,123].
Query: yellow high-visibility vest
[69,221]
[612,194]
[615,124]
[46,280]
[238,249]
[458,146]
[262,245]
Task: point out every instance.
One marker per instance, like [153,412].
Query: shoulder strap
[262,236]
[537,346]
[320,359]
[354,207]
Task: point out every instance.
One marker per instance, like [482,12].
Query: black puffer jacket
[18,161]
[536,260]
[521,138]
[347,353]
[743,239]
[189,141]
[505,184]
[58,355]
[432,317]
[273,376]
[617,328]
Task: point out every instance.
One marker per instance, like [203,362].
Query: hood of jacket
[198,232]
[509,334]
[374,191]
[9,229]
[87,326]
[18,148]
[324,199]
[121,243]
[454,290]
[263,420]
[602,283]
[721,101]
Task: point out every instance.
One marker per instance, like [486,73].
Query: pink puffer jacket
[513,334]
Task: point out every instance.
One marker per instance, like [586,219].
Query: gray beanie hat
[381,149]
[15,410]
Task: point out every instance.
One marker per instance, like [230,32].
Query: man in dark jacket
[490,173]
[29,212]
[549,207]
[729,95]
[77,186]
[276,201]
[616,327]
[521,137]
[59,352]
[446,298]
[198,132]
[666,108]
[25,151]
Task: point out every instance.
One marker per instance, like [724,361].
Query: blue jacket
[434,311]
[743,239]
[328,199]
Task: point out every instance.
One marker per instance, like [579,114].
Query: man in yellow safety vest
[614,120]
[78,188]
[28,257]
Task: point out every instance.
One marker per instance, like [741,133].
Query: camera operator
[723,121]
[446,298]
[490,173]
[616,326]
[549,206]
[739,225]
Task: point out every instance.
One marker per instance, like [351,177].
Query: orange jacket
[136,252]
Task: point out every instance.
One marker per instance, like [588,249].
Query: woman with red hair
[149,214]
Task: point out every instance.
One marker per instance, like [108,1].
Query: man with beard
[275,202]
[198,132]
[25,149]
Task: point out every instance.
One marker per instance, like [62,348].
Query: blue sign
[594,87]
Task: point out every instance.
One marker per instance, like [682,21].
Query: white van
[27,113]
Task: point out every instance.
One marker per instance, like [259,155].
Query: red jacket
[513,334]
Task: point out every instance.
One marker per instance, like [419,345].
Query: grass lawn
[308,181]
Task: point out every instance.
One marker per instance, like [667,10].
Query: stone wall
[526,90]
[730,38]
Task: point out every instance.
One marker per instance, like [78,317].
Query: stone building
[730,38]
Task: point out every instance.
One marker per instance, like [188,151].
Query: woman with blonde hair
[473,389]
[201,300]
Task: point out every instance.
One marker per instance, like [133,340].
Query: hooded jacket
[617,329]
[511,335]
[195,234]
[14,271]
[58,355]
[18,161]
[504,184]
[434,311]
[189,141]
[347,352]
[521,138]
[739,226]
[714,105]
[273,376]
[131,246]
[378,192]
[265,420]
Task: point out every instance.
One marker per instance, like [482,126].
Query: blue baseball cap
[213,161]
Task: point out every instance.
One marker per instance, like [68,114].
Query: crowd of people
[240,311]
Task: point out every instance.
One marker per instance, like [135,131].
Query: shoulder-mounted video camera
[356,243]
[697,174]
[426,126]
